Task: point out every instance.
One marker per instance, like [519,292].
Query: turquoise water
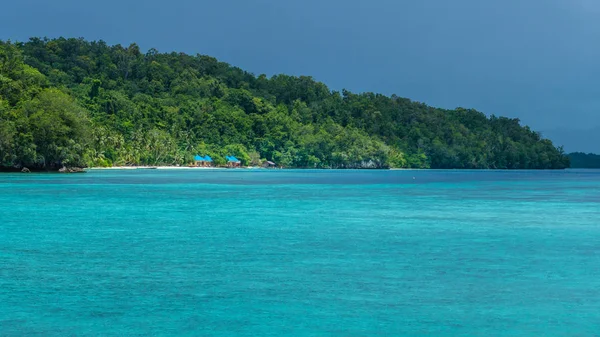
[300,253]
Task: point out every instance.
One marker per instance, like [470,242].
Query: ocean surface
[300,253]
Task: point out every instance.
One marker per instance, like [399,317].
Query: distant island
[77,103]
[584,160]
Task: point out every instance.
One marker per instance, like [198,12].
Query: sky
[536,60]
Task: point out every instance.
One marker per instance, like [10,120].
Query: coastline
[223,168]
[129,168]
[167,167]
[151,168]
[164,168]
[234,168]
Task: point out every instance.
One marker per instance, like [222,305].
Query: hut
[198,160]
[269,164]
[208,160]
[233,161]
[202,161]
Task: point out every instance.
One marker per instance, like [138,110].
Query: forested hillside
[584,160]
[74,102]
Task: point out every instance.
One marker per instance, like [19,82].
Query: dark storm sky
[538,60]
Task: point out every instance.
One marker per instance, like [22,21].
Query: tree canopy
[584,160]
[77,102]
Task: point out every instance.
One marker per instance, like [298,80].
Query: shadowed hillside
[584,160]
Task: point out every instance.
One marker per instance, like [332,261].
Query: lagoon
[300,253]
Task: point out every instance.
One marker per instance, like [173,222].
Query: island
[584,160]
[69,103]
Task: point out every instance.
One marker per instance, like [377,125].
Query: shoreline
[221,168]
[169,168]
[129,168]
[152,168]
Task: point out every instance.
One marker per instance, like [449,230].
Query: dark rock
[25,170]
[65,169]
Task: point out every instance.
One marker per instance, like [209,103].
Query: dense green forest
[584,160]
[71,102]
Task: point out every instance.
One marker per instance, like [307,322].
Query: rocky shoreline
[63,169]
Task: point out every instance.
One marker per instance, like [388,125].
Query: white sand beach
[164,168]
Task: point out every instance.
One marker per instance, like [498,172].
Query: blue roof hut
[198,160]
[202,161]
[233,161]
[208,161]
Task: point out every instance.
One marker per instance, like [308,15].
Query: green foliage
[39,127]
[59,128]
[239,151]
[583,160]
[70,101]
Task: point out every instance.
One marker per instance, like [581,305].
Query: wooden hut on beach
[269,164]
[233,161]
[198,160]
[202,161]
